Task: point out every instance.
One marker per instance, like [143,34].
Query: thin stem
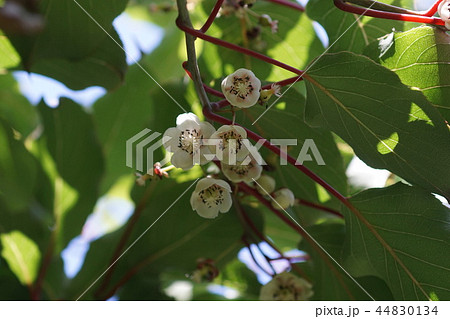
[35,291]
[212,16]
[249,190]
[320,207]
[289,4]
[125,236]
[248,221]
[196,33]
[247,244]
[209,114]
[343,5]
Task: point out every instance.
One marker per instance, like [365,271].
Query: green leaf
[15,108]
[421,58]
[175,241]
[72,48]
[347,31]
[295,43]
[138,105]
[386,123]
[22,255]
[8,57]
[17,170]
[329,284]
[285,120]
[12,289]
[401,238]
[72,143]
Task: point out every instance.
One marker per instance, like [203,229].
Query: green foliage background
[380,94]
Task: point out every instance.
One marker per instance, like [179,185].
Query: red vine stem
[249,190]
[249,248]
[209,114]
[289,4]
[343,5]
[212,16]
[235,47]
[261,236]
[320,207]
[125,236]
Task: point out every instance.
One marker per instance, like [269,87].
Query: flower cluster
[286,287]
[193,142]
[283,198]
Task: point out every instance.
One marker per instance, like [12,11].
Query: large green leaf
[295,43]
[22,255]
[336,284]
[285,121]
[140,104]
[17,170]
[71,141]
[72,48]
[402,240]
[175,241]
[8,57]
[15,108]
[347,31]
[421,58]
[388,125]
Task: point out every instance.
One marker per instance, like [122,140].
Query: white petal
[194,200]
[182,159]
[240,130]
[171,139]
[226,204]
[206,212]
[207,129]
[255,172]
[223,184]
[204,183]
[231,174]
[187,117]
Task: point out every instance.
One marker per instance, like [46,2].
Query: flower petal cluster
[246,171]
[228,144]
[186,141]
[241,88]
[210,197]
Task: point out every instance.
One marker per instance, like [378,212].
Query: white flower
[229,143]
[286,287]
[444,12]
[242,88]
[210,197]
[265,185]
[284,198]
[186,141]
[244,171]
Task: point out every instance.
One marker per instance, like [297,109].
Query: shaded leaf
[71,141]
[387,124]
[414,225]
[72,48]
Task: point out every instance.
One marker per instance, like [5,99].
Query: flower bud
[283,198]
[265,184]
